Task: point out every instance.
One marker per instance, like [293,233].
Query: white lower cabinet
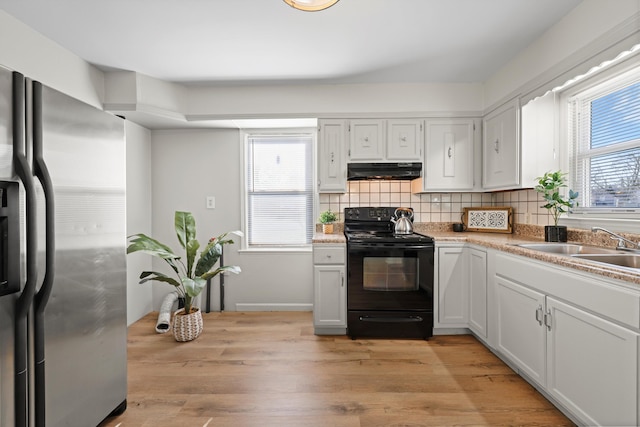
[592,366]
[329,290]
[520,335]
[462,288]
[584,361]
[453,287]
[329,304]
[478,292]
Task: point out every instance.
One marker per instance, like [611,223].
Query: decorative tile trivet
[492,219]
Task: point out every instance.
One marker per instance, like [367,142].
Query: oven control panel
[369,213]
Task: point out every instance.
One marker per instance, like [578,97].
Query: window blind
[605,127]
[279,190]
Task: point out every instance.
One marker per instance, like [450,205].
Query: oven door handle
[375,319]
[357,246]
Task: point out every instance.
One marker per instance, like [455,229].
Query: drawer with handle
[329,254]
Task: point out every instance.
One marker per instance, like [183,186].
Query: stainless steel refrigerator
[62,258]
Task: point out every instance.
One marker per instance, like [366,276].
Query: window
[605,138]
[279,190]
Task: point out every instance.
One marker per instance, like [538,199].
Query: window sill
[614,224]
[277,250]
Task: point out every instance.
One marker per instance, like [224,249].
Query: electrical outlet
[211,202]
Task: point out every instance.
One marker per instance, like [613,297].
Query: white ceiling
[266,41]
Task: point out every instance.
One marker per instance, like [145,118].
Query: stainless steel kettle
[402,218]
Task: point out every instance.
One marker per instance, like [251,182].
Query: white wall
[138,217]
[592,26]
[148,99]
[190,165]
[331,100]
[28,52]
[586,26]
[23,49]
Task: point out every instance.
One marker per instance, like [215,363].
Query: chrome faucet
[621,240]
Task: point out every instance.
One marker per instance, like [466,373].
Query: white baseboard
[273,307]
[330,331]
[451,331]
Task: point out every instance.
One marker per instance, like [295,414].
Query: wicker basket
[187,327]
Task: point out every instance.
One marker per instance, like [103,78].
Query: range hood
[405,171]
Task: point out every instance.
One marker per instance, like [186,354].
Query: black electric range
[390,277]
[373,224]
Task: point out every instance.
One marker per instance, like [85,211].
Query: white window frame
[244,138]
[621,219]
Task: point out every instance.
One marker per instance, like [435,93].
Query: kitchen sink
[567,248]
[598,254]
[621,260]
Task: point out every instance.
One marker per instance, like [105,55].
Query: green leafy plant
[328,217]
[549,186]
[191,275]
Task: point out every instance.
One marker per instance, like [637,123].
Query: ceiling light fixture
[311,5]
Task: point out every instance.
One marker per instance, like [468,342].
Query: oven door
[390,277]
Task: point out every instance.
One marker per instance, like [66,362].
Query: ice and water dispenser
[9,237]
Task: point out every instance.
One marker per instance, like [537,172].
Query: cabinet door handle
[547,320]
[496,146]
[342,280]
[539,315]
[449,153]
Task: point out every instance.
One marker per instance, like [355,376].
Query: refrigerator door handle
[23,304]
[42,297]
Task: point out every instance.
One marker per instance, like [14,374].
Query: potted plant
[191,276]
[327,218]
[549,186]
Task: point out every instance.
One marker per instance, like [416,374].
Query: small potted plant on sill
[549,186]
[327,218]
[191,276]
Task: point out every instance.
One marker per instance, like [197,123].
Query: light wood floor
[268,369]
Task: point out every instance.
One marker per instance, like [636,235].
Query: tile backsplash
[435,207]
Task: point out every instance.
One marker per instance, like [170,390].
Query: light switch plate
[211,202]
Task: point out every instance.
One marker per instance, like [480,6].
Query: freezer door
[85,319]
[7,302]
[6,360]
[6,129]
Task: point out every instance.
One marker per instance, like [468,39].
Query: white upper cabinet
[519,143]
[366,140]
[449,155]
[501,148]
[404,139]
[332,163]
[540,138]
[393,140]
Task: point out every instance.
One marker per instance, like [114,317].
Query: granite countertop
[507,242]
[329,238]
